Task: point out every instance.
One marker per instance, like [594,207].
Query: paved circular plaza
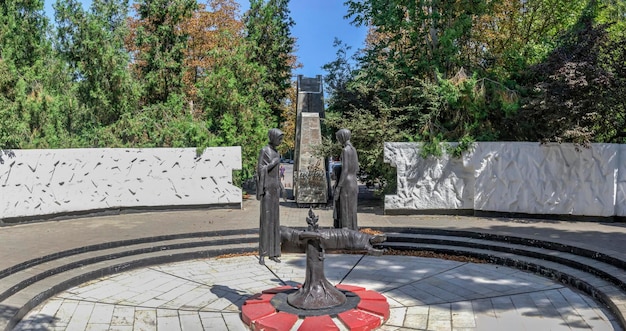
[423,293]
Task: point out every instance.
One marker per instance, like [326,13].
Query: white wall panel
[42,182]
[512,177]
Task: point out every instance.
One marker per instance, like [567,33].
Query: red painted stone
[277,322]
[350,288]
[259,314]
[357,320]
[259,298]
[278,289]
[317,323]
[375,307]
[250,313]
[371,295]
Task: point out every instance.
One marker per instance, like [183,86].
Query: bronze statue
[268,191]
[336,174]
[347,189]
[317,292]
[332,239]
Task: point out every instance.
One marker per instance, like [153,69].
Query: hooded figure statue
[347,189]
[268,191]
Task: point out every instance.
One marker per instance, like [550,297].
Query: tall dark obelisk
[309,172]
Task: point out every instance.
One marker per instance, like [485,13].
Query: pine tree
[158,46]
[92,44]
[268,27]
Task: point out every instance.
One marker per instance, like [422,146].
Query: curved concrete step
[606,292]
[577,249]
[614,274]
[120,243]
[24,289]
[17,280]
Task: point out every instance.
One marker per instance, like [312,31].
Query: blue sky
[318,22]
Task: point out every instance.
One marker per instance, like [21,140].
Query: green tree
[431,37]
[338,72]
[212,26]
[578,93]
[23,27]
[268,27]
[424,37]
[14,127]
[92,44]
[234,110]
[158,44]
[31,106]
[512,35]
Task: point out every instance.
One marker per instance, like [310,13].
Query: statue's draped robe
[348,194]
[336,207]
[268,191]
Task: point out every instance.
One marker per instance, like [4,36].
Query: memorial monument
[309,171]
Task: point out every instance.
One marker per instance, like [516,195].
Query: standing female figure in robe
[268,191]
[347,189]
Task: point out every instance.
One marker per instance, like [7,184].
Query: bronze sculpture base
[321,294]
[280,302]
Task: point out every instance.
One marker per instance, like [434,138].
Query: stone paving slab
[426,294]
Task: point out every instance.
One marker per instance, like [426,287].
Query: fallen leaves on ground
[433,255]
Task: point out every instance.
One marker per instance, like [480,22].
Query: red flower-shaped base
[371,312]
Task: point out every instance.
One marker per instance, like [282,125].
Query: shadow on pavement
[35,322]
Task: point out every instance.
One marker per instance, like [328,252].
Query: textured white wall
[545,179]
[428,184]
[43,182]
[513,177]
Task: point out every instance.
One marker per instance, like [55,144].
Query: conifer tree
[268,27]
[92,44]
[158,46]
